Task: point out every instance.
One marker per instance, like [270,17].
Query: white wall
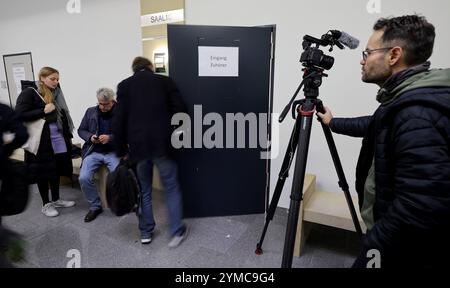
[90,50]
[342,91]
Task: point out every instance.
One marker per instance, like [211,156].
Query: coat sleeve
[26,109]
[13,125]
[354,127]
[120,121]
[421,188]
[83,130]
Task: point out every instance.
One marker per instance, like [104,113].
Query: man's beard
[378,77]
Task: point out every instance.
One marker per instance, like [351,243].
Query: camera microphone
[346,39]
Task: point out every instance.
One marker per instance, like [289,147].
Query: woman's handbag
[34,131]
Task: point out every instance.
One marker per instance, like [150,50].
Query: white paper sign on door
[218,61]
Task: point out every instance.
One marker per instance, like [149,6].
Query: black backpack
[122,190]
[14,188]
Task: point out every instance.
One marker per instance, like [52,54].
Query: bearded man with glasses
[403,170]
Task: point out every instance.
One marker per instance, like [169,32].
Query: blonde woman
[53,159]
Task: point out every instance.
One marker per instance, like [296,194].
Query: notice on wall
[19,75]
[218,61]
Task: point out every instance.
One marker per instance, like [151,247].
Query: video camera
[314,57]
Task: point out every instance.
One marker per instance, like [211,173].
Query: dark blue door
[224,181]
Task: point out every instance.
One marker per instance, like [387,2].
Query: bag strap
[40,96]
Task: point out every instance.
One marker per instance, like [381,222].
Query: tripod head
[312,79]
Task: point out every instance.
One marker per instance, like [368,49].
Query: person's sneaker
[49,210]
[146,240]
[63,203]
[177,239]
[92,214]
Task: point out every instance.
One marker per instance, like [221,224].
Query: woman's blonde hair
[43,89]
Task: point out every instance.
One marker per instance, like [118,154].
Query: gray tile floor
[216,242]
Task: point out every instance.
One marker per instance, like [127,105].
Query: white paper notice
[218,61]
[19,75]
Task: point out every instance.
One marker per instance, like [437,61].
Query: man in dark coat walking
[403,171]
[146,103]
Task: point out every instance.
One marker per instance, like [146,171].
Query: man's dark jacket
[9,122]
[146,104]
[90,126]
[409,141]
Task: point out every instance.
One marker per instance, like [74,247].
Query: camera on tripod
[315,62]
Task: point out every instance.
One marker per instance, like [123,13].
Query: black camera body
[315,57]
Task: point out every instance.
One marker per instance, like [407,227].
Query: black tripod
[299,140]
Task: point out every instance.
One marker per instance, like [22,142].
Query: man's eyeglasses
[367,52]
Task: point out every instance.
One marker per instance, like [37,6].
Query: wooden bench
[100,176]
[326,208]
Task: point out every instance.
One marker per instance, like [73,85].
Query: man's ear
[396,56]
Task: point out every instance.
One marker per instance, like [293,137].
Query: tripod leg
[305,116]
[342,181]
[284,173]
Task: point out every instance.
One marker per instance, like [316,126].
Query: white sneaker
[146,240]
[49,210]
[63,203]
[177,239]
